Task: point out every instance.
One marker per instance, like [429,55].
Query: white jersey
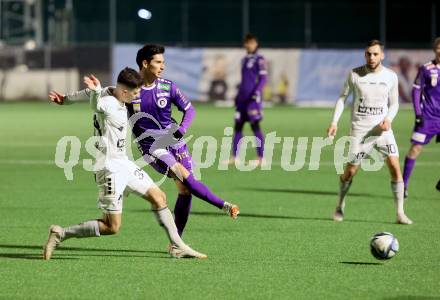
[110,123]
[375,97]
[115,174]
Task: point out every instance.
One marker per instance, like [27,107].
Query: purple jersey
[156,101]
[427,86]
[253,79]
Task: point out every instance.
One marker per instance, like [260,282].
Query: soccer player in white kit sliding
[375,104]
[115,174]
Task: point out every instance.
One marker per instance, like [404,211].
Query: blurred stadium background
[285,244]
[309,44]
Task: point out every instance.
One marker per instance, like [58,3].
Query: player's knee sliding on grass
[373,86]
[115,174]
[426,102]
[248,102]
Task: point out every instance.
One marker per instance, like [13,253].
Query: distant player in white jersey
[115,174]
[375,104]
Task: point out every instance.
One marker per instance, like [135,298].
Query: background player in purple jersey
[426,101]
[248,102]
[160,139]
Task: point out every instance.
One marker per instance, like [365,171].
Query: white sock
[85,229]
[344,186]
[166,220]
[398,191]
[227,206]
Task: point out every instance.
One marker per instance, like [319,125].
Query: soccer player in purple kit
[248,102]
[426,101]
[156,98]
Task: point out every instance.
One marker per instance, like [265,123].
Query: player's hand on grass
[385,125]
[92,82]
[331,130]
[56,97]
[419,120]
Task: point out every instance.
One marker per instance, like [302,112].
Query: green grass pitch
[284,245]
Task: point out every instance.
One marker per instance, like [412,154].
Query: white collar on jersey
[149,87]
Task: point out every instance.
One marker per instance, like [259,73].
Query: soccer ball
[384,245]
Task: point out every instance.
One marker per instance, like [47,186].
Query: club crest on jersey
[163,86]
[162,102]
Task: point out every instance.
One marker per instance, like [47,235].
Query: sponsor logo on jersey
[165,94]
[163,86]
[137,107]
[162,102]
[121,143]
[369,110]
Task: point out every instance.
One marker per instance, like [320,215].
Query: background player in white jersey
[375,104]
[115,174]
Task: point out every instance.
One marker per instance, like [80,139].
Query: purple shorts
[163,159]
[251,112]
[422,135]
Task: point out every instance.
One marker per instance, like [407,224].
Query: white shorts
[362,145]
[114,186]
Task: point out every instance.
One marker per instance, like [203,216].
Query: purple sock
[407,169]
[237,137]
[259,135]
[181,211]
[201,191]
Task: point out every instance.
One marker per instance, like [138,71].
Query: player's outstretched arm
[92,82]
[57,98]
[94,85]
[81,95]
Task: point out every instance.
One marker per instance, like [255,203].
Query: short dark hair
[147,52]
[249,37]
[436,43]
[375,43]
[130,78]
